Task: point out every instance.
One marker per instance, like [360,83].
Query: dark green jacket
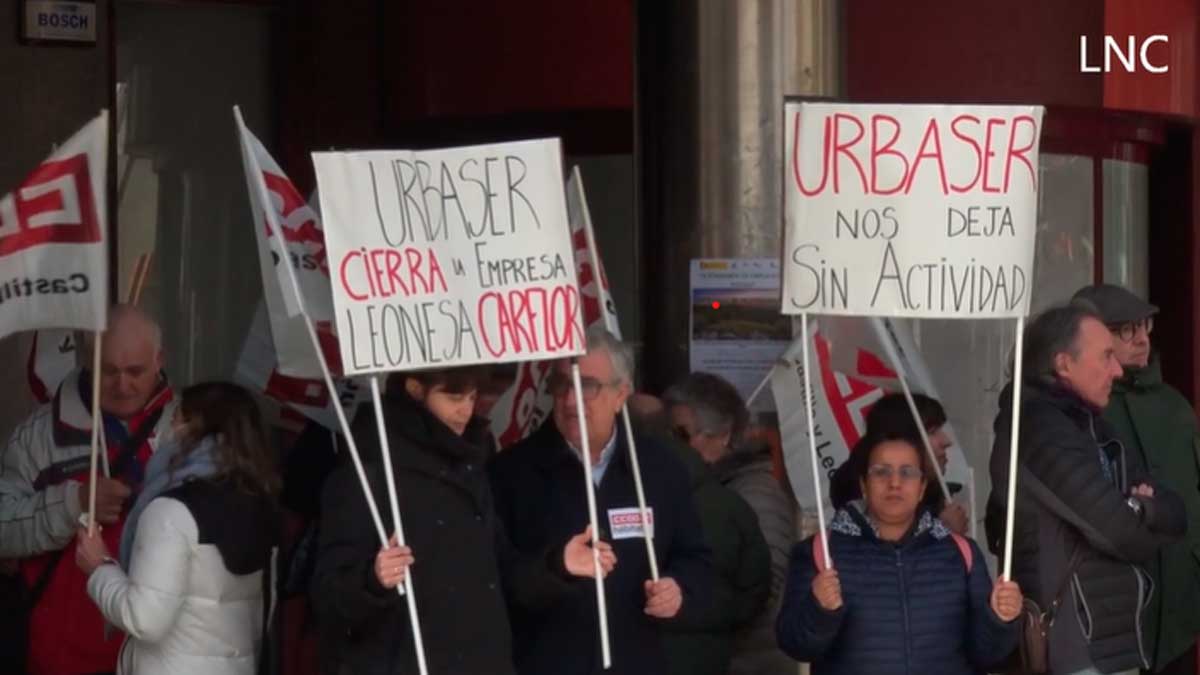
[1156,421]
[702,644]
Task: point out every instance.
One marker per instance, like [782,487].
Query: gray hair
[715,403]
[125,320]
[1053,332]
[621,354]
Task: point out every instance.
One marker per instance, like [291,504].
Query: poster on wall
[737,331]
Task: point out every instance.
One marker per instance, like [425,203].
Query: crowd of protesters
[210,552]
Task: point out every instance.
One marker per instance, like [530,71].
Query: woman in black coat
[904,594]
[463,566]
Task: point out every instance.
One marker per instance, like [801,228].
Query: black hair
[891,413]
[1053,332]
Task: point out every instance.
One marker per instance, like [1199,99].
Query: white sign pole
[386,450]
[601,604]
[264,198]
[641,494]
[610,322]
[809,405]
[1010,514]
[758,390]
[96,426]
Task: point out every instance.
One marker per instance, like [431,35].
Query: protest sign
[915,211]
[450,257]
[53,234]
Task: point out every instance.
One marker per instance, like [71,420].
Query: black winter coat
[464,561]
[909,607]
[1072,489]
[539,486]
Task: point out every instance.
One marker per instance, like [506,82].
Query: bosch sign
[60,21]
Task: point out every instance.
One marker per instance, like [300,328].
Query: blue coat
[909,608]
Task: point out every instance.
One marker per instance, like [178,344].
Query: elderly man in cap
[1157,423]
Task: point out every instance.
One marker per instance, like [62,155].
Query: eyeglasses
[885,472]
[1128,330]
[561,384]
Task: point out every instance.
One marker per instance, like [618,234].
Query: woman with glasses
[902,593]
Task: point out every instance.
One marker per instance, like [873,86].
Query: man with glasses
[43,489]
[1157,424]
[1087,514]
[539,492]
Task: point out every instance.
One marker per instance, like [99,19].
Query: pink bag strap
[964,547]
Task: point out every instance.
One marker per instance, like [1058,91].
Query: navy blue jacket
[539,491]
[908,608]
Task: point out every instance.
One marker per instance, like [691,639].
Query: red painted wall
[474,58]
[362,73]
[970,51]
[1173,92]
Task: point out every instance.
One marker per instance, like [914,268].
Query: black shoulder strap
[1076,558]
[43,580]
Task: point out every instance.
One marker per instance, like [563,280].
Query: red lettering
[377,271]
[393,272]
[569,319]
[967,187]
[522,333]
[345,279]
[413,256]
[840,148]
[828,136]
[931,133]
[435,273]
[1020,153]
[502,319]
[876,151]
[988,154]
[519,315]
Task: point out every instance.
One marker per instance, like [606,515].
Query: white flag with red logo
[852,371]
[53,251]
[51,359]
[598,304]
[527,403]
[287,230]
[257,368]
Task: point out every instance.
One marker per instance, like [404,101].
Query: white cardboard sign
[450,257]
[910,210]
